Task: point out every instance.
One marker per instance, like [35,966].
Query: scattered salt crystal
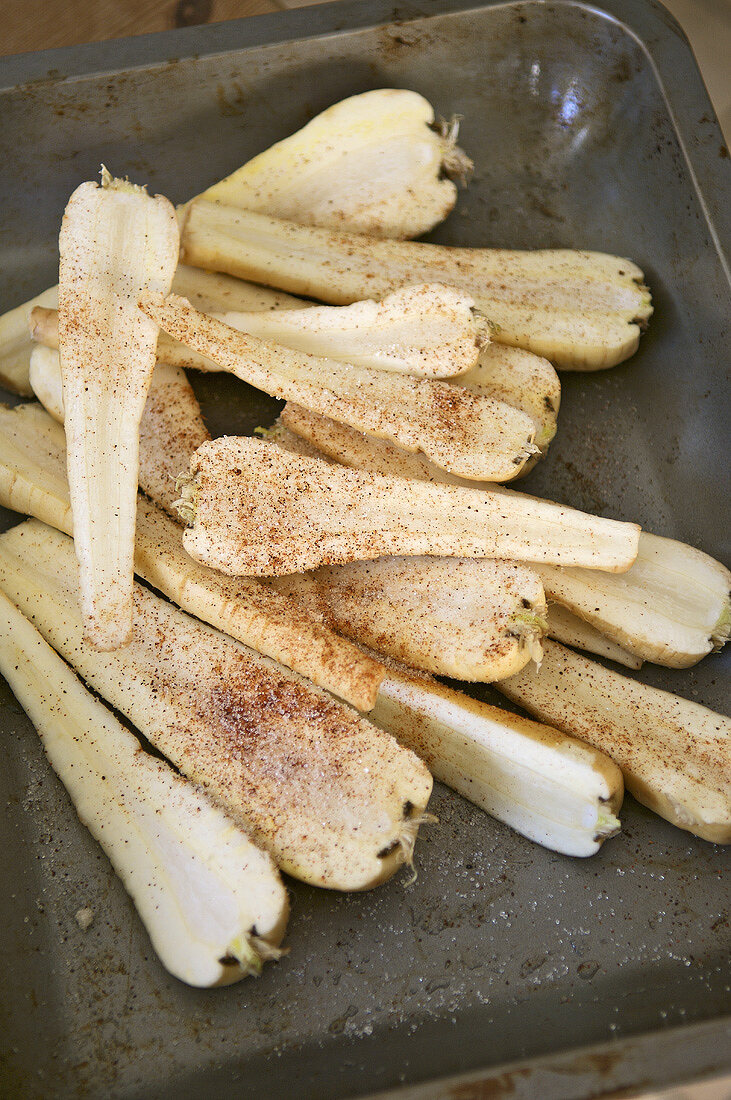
[84,917]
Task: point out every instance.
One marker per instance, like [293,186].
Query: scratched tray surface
[501,950]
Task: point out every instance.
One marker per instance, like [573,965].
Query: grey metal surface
[587,128]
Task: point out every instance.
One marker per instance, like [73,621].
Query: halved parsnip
[374,163]
[33,481]
[672,607]
[15,344]
[116,242]
[472,619]
[675,755]
[333,799]
[466,433]
[427,331]
[171,425]
[213,904]
[254,509]
[581,310]
[549,787]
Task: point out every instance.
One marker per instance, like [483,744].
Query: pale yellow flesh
[373,163]
[569,629]
[335,801]
[476,619]
[675,755]
[213,904]
[115,243]
[33,481]
[463,432]
[524,380]
[171,425]
[581,310]
[426,331]
[15,343]
[549,787]
[256,510]
[672,607]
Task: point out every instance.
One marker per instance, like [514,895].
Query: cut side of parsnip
[581,310]
[213,904]
[254,509]
[672,607]
[171,427]
[524,380]
[426,331]
[471,619]
[374,163]
[675,755]
[461,431]
[549,787]
[33,481]
[116,242]
[334,800]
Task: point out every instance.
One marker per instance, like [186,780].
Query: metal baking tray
[589,127]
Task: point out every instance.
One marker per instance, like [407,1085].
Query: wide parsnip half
[581,310]
[213,903]
[675,755]
[116,242]
[254,509]
[471,619]
[466,433]
[374,163]
[33,481]
[334,800]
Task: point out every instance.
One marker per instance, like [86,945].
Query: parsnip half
[672,607]
[256,510]
[426,331]
[581,310]
[374,163]
[15,344]
[116,242]
[33,481]
[472,619]
[334,800]
[171,425]
[549,787]
[675,755]
[213,904]
[464,432]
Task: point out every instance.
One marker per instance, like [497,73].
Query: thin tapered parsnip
[550,787]
[116,242]
[471,619]
[15,344]
[334,800]
[33,481]
[171,425]
[374,163]
[466,433]
[581,310]
[213,904]
[254,509]
[675,755]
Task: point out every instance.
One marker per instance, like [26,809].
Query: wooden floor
[41,24]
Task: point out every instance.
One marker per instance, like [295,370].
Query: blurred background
[42,24]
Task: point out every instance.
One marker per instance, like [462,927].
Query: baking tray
[589,127]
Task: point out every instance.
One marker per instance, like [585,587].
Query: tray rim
[691,112]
